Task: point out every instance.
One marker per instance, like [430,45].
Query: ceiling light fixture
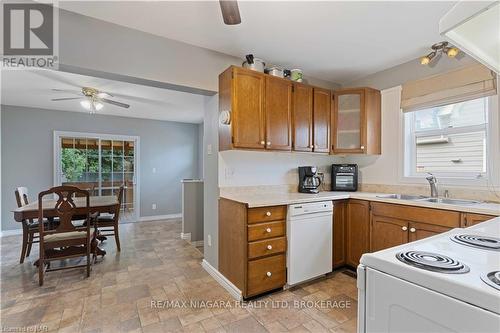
[439,48]
[91,105]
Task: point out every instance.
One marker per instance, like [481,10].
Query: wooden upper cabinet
[358,230]
[321,120]
[241,93]
[278,112]
[302,117]
[387,232]
[356,121]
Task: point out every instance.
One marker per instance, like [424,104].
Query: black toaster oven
[344,177]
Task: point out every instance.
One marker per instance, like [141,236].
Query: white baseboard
[225,283]
[186,236]
[160,217]
[197,243]
[14,232]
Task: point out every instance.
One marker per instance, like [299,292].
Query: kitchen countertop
[263,199]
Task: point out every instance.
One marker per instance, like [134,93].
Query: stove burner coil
[492,279]
[477,241]
[432,262]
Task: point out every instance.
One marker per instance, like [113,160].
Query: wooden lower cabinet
[358,231]
[387,232]
[419,231]
[252,246]
[393,224]
[470,219]
[339,233]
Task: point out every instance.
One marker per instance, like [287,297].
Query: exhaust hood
[474,27]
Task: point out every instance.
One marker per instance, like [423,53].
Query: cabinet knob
[262,142]
[269,274]
[362,147]
[404,228]
[312,146]
[269,247]
[268,230]
[413,229]
[268,213]
[268,143]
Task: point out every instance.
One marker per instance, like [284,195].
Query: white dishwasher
[309,230]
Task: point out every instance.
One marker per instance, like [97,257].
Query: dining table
[98,204]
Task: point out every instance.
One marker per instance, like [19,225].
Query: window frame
[490,177]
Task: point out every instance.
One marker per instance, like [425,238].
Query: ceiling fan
[91,98]
[230,12]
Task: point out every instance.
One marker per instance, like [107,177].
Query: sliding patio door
[100,164]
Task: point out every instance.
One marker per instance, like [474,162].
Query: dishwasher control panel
[310,208]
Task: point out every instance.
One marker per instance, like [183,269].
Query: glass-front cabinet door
[348,120]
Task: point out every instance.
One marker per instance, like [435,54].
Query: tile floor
[156,265]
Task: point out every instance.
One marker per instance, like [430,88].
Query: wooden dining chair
[108,225]
[66,240]
[30,227]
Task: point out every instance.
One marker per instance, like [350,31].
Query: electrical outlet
[209,240]
[153,206]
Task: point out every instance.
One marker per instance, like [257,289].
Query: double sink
[421,198]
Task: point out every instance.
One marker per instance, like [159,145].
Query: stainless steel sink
[451,201]
[401,196]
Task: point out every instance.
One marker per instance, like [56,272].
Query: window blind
[452,87]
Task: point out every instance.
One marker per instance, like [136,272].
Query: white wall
[250,168]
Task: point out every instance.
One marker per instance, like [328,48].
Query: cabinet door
[248,109]
[339,233]
[358,230]
[387,232]
[321,120]
[278,111]
[422,230]
[348,122]
[470,219]
[302,118]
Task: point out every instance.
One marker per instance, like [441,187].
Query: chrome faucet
[433,183]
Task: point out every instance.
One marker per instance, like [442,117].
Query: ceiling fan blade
[230,12]
[64,99]
[109,101]
[68,91]
[103,94]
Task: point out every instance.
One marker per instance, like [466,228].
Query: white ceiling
[334,41]
[33,88]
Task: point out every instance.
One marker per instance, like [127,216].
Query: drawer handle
[268,230]
[268,274]
[268,213]
[269,247]
[404,228]
[413,229]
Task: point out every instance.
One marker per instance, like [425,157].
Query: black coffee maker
[309,181]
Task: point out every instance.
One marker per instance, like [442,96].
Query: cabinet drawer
[265,214]
[266,274]
[266,247]
[266,230]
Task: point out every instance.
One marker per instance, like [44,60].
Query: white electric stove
[445,283]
